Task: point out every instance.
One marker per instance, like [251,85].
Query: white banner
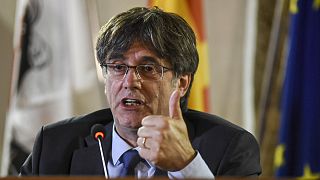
[54,71]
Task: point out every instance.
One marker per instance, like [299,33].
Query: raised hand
[164,140]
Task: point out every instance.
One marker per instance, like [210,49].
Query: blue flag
[298,153]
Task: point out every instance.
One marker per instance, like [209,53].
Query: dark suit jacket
[67,147]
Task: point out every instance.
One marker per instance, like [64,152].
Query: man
[148,58]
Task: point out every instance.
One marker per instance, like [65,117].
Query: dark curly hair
[166,34]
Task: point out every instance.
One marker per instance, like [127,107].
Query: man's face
[132,99]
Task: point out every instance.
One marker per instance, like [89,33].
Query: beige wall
[225,30]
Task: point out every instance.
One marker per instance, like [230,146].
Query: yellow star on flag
[307,173]
[279,156]
[293,6]
[316,4]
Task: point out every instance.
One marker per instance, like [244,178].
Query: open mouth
[131,102]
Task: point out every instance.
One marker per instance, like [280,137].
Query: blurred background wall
[225,25]
[7,16]
[240,35]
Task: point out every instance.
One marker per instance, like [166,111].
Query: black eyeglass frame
[157,66]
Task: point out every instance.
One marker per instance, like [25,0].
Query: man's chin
[132,129]
[131,124]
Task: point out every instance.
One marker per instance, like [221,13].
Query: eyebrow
[150,59]
[115,56]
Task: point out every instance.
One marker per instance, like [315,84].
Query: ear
[184,83]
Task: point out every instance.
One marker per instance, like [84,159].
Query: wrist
[189,157]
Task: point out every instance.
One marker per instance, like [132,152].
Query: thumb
[174,105]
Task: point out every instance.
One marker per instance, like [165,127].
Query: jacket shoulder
[55,143]
[205,121]
[80,124]
[228,149]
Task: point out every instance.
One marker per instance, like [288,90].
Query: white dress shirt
[197,168]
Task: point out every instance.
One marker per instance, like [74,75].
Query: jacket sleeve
[242,157]
[31,166]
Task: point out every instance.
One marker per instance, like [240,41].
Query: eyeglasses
[151,72]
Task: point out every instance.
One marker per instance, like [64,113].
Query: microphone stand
[102,159]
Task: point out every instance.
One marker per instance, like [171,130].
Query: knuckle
[140,131]
[139,141]
[144,120]
[159,136]
[154,159]
[163,123]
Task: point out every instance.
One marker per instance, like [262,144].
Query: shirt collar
[119,146]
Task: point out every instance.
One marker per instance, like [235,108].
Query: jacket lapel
[87,160]
[190,126]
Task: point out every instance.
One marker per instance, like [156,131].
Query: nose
[132,79]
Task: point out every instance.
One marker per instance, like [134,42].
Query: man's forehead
[139,51]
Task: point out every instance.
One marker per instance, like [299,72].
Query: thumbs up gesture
[164,140]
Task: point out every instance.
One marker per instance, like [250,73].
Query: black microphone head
[97,131]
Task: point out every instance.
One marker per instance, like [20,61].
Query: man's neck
[129,135]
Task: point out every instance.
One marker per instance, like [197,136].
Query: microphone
[97,131]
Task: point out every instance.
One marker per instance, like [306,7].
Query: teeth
[132,102]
